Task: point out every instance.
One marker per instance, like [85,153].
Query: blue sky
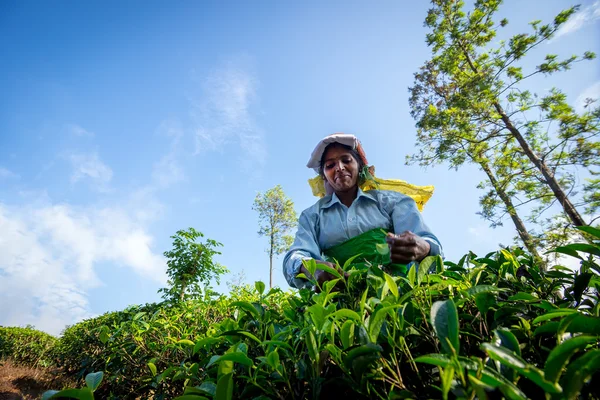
[121,123]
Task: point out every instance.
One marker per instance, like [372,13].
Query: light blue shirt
[329,222]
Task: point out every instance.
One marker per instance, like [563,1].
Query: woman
[349,221]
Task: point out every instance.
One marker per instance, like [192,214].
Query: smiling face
[340,168]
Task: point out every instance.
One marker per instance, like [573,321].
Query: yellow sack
[420,194]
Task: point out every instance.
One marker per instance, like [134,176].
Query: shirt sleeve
[406,217]
[305,246]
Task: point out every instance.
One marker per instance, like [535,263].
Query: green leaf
[412,276]
[93,380]
[317,313]
[241,333]
[246,306]
[475,290]
[444,319]
[376,321]
[439,360]
[581,284]
[204,342]
[259,286]
[382,248]
[311,346]
[560,355]
[347,334]
[278,343]
[273,359]
[510,359]
[423,269]
[190,397]
[359,359]
[554,314]
[580,371]
[581,247]
[186,342]
[439,264]
[349,261]
[523,296]
[391,284]
[152,368]
[345,313]
[330,270]
[208,388]
[494,379]
[48,394]
[81,394]
[237,357]
[591,230]
[426,265]
[484,302]
[224,387]
[508,339]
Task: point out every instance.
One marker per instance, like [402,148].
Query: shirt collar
[334,199]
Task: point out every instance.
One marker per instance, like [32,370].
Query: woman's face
[340,169]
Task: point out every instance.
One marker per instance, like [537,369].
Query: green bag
[371,248]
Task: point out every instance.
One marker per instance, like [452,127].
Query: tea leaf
[347,334]
[224,387]
[439,360]
[241,333]
[508,358]
[346,313]
[579,371]
[376,321]
[93,380]
[444,319]
[554,314]
[81,394]
[259,286]
[591,230]
[560,355]
[248,307]
[391,284]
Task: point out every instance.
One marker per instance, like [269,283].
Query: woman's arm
[305,246]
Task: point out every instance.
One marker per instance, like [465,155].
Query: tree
[189,264]
[471,105]
[276,216]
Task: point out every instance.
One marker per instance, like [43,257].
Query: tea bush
[26,346]
[486,327]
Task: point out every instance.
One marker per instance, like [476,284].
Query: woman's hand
[407,247]
[323,276]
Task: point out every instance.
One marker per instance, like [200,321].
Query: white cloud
[586,16]
[7,174]
[592,92]
[50,253]
[77,130]
[224,115]
[90,167]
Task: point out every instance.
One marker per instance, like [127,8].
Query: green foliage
[471,105]
[485,327]
[276,216]
[26,346]
[190,264]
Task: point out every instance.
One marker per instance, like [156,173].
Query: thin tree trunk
[271,263]
[560,195]
[521,229]
[182,294]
